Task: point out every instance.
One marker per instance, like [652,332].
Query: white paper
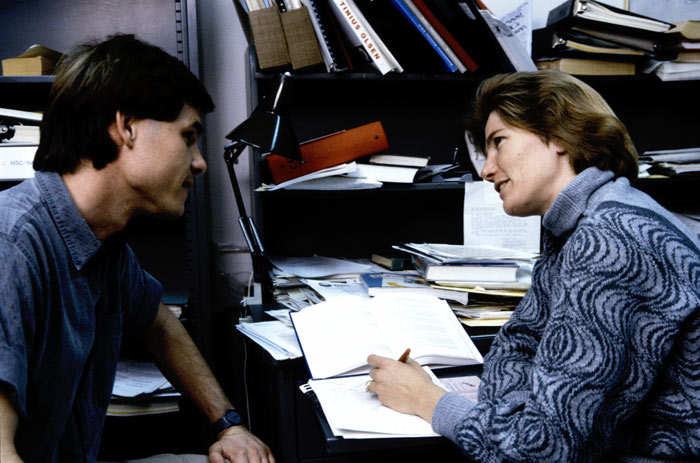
[466,386]
[516,14]
[348,406]
[334,170]
[317,266]
[330,289]
[136,378]
[278,339]
[487,224]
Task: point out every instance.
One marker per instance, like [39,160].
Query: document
[277,338]
[317,266]
[336,336]
[135,378]
[486,223]
[350,409]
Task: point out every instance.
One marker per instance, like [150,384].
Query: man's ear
[122,130]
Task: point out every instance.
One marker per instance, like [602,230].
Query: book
[334,55]
[398,160]
[410,15]
[684,30]
[588,67]
[672,70]
[380,173]
[403,283]
[432,31]
[406,43]
[614,24]
[486,270]
[360,34]
[571,44]
[336,336]
[451,41]
[16,160]
[328,151]
[391,259]
[602,16]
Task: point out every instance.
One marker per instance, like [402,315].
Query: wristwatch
[230,418]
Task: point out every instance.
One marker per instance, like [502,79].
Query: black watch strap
[230,418]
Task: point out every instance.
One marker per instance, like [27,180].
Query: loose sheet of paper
[487,224]
[348,406]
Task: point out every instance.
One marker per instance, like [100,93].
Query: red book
[329,151]
[446,35]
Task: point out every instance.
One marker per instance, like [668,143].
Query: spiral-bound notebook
[334,54]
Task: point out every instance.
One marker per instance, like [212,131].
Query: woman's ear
[122,130]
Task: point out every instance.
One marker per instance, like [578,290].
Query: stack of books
[587,37]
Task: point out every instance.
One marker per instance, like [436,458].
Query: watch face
[233,418]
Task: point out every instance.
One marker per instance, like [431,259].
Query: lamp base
[256,298]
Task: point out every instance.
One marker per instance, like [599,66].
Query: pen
[404,356]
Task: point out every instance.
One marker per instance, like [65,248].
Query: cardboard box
[36,61]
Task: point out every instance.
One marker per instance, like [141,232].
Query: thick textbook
[486,270]
[329,151]
[338,335]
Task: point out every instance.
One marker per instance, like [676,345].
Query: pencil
[404,356]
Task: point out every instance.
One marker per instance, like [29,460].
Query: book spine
[436,36]
[447,36]
[321,35]
[329,151]
[411,17]
[359,35]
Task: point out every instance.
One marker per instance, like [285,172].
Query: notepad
[336,336]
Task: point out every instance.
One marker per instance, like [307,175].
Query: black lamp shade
[269,128]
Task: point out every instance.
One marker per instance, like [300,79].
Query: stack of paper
[141,389]
[275,337]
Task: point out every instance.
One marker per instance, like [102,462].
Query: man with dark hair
[118,139]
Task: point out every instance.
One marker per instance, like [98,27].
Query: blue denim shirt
[65,300]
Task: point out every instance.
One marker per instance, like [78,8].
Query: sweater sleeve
[616,303]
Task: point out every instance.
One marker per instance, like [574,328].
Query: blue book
[406,11]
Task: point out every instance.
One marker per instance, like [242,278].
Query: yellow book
[588,67]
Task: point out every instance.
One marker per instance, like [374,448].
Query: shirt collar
[572,201]
[82,244]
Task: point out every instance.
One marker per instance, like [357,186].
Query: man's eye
[190,138]
[497,141]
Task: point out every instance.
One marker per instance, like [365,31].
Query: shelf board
[26,79]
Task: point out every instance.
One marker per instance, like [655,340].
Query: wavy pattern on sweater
[603,351]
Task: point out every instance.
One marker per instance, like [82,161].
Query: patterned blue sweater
[602,356]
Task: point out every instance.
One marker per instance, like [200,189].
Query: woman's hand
[403,386]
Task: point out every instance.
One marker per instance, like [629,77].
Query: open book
[336,336]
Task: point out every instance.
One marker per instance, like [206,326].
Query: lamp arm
[250,233]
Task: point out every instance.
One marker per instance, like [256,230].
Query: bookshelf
[422,116]
[175,252]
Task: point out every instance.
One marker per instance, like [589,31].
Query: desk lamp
[268,129]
